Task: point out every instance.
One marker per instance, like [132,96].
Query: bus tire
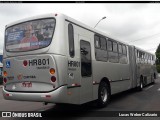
[153,80]
[155,77]
[103,95]
[141,85]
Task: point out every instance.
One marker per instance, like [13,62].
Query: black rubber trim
[35,91]
[74,86]
[120,80]
[95,83]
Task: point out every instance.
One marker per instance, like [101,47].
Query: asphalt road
[146,100]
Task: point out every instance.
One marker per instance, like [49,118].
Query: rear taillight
[25,63]
[8,94]
[4,80]
[48,96]
[53,78]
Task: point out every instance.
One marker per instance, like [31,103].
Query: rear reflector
[4,80]
[48,96]
[53,78]
[69,93]
[25,63]
[8,94]
[75,84]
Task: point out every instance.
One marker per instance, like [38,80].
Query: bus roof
[67,18]
[93,29]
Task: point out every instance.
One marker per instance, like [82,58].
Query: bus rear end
[27,76]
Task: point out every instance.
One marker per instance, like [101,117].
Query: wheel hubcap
[104,94]
[141,85]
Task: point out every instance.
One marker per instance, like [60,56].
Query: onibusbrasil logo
[21,114]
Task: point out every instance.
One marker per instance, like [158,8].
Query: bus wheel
[103,94]
[153,80]
[154,76]
[140,88]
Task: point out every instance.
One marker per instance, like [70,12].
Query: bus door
[86,70]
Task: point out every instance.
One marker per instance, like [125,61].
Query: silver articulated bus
[56,59]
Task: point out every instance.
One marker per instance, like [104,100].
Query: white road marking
[158,89]
[148,87]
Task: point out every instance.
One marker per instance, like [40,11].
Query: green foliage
[158,58]
[158,49]
[158,68]
[1,80]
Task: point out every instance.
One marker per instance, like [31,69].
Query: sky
[133,23]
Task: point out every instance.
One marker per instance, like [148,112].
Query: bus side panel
[61,64]
[122,81]
[144,62]
[117,74]
[84,36]
[73,69]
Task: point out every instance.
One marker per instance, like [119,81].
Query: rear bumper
[57,96]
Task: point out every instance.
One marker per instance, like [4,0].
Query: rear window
[29,35]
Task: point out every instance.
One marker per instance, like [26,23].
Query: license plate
[27,84]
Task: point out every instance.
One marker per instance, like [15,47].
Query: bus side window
[115,47]
[120,53]
[86,66]
[112,51]
[97,41]
[124,50]
[123,56]
[120,48]
[100,48]
[137,54]
[71,39]
[109,45]
[103,43]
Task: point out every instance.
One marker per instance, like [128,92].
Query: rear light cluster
[53,79]
[52,72]
[4,80]
[5,74]
[4,77]
[25,63]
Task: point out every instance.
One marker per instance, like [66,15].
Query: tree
[158,58]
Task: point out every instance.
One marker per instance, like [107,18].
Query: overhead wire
[147,37]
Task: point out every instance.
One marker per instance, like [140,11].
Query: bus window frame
[71,41]
[30,21]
